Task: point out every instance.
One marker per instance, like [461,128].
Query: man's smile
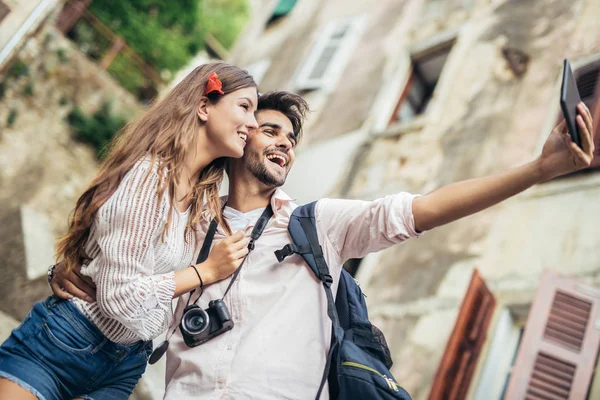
[278,158]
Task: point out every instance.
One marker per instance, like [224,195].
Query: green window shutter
[284,7]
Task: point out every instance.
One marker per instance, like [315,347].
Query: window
[558,352]
[424,76]
[329,54]
[437,9]
[546,350]
[458,363]
[500,358]
[4,10]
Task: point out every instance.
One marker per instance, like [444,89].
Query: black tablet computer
[569,99]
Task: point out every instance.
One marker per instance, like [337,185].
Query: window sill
[402,128]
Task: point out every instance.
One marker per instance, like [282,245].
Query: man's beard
[259,170]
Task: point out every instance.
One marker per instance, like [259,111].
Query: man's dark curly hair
[289,104]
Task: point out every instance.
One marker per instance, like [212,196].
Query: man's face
[269,153]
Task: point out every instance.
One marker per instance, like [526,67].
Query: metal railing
[109,50]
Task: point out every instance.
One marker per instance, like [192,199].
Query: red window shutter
[588,84]
[557,355]
[587,80]
[595,110]
[403,98]
[464,345]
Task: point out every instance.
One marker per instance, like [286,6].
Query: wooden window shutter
[557,355]
[595,110]
[403,97]
[588,84]
[464,345]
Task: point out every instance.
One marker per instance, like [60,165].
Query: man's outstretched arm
[559,156]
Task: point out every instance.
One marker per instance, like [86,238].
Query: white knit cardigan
[131,265]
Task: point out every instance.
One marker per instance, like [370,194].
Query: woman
[133,232]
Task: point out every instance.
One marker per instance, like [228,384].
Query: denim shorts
[57,353]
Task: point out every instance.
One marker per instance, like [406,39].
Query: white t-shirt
[239,221]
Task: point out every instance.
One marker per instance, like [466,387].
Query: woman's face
[230,120]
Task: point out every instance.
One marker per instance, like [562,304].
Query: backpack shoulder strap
[303,229]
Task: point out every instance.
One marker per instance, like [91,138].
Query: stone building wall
[484,120]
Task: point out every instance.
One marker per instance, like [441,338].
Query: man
[280,339]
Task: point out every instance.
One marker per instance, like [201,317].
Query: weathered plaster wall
[483,120]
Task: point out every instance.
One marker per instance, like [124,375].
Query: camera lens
[195,321]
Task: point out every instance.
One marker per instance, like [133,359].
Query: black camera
[198,326]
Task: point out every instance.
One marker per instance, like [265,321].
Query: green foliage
[62,56]
[18,69]
[90,42]
[63,101]
[128,75]
[169,33]
[224,19]
[161,32]
[12,117]
[47,39]
[2,89]
[28,89]
[166,34]
[96,130]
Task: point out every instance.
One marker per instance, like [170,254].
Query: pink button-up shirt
[278,345]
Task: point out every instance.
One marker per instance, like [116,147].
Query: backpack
[359,359]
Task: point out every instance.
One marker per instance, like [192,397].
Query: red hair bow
[214,84]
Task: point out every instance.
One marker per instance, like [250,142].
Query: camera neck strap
[257,231]
[210,235]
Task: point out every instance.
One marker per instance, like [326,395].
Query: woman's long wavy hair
[166,133]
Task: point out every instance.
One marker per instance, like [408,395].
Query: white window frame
[385,106]
[258,69]
[501,352]
[303,80]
